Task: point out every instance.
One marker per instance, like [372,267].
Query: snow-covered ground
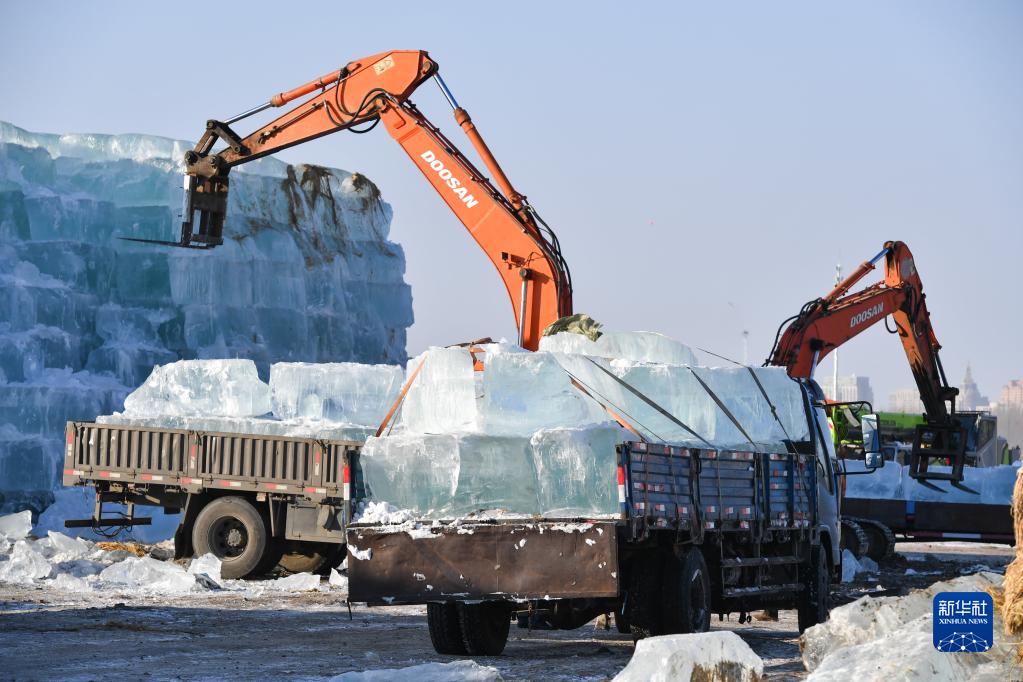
[189,625]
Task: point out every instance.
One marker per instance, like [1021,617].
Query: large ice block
[576,470]
[345,392]
[260,426]
[225,388]
[451,475]
[634,346]
[442,398]
[524,392]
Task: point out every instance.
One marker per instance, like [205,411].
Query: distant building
[850,388]
[1012,395]
[969,395]
[906,400]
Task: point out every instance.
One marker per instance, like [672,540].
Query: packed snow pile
[720,656]
[306,273]
[893,482]
[456,671]
[60,562]
[891,638]
[522,437]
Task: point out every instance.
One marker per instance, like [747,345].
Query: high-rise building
[969,395]
[1012,395]
[906,400]
[850,388]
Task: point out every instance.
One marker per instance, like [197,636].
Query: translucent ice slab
[295,428]
[576,470]
[524,392]
[634,346]
[443,397]
[226,388]
[451,475]
[696,419]
[344,392]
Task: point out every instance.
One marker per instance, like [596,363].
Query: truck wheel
[686,602]
[644,598]
[622,621]
[485,627]
[815,599]
[445,628]
[231,529]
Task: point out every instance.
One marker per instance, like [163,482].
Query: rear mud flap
[493,561]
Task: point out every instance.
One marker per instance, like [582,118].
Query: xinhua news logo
[963,622]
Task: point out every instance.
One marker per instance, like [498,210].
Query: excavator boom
[826,323]
[524,250]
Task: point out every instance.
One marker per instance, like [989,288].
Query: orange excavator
[365,92]
[826,323]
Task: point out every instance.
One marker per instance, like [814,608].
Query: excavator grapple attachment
[942,445]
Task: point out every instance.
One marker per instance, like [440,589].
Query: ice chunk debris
[719,655]
[227,388]
[851,566]
[891,638]
[24,564]
[207,565]
[16,526]
[149,575]
[456,671]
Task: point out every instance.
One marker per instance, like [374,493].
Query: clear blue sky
[706,166]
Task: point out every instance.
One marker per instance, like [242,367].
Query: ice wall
[306,274]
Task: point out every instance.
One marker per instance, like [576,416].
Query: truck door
[827,489]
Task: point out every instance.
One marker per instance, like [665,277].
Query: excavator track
[854,538]
[880,538]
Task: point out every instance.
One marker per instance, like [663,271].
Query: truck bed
[191,461]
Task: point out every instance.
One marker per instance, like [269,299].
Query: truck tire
[445,628]
[815,599]
[484,627]
[643,611]
[686,601]
[231,529]
[622,621]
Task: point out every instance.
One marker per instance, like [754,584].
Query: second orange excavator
[826,323]
[364,92]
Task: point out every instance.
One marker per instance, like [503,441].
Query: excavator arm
[826,323]
[365,92]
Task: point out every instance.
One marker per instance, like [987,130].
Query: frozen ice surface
[381,513]
[456,671]
[721,655]
[633,346]
[224,388]
[892,481]
[525,392]
[344,392]
[16,526]
[442,399]
[891,638]
[306,273]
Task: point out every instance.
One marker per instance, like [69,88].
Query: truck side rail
[702,490]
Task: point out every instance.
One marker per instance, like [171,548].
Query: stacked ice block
[306,273]
[523,439]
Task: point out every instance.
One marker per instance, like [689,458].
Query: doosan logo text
[449,179]
[868,314]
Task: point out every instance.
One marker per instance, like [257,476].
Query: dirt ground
[309,636]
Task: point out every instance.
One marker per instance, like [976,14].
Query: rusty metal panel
[492,561]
